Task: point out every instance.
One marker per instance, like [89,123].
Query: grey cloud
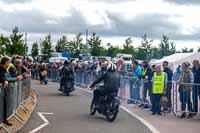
[35,21]
[153,24]
[15,1]
[184,2]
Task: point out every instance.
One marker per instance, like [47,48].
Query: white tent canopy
[57,59]
[176,59]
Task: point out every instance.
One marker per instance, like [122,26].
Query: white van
[126,57]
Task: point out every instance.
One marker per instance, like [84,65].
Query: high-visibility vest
[158,83]
[144,72]
[9,66]
[8,69]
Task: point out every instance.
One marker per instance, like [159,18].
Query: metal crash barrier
[186,98]
[17,93]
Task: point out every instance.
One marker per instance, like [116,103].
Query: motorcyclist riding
[111,80]
[66,74]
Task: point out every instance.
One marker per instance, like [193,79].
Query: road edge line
[147,124]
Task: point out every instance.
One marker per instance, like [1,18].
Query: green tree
[144,51]
[73,48]
[79,44]
[95,45]
[17,43]
[198,49]
[4,45]
[166,48]
[155,54]
[76,46]
[46,45]
[62,45]
[112,51]
[35,49]
[127,47]
[141,53]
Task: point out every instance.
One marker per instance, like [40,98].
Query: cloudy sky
[113,19]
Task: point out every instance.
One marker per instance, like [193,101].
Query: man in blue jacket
[136,83]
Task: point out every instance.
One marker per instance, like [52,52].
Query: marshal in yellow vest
[159,83]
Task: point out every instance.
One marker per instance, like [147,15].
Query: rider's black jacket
[111,80]
[66,71]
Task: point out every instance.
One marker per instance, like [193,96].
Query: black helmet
[66,63]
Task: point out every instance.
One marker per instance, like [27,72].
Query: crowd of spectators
[141,81]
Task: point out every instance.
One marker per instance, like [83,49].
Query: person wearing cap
[111,80]
[185,88]
[159,81]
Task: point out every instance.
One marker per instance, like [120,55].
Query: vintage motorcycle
[107,106]
[67,85]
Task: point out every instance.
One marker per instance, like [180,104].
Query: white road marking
[46,122]
[147,124]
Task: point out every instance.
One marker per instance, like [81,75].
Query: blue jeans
[185,98]
[135,90]
[156,103]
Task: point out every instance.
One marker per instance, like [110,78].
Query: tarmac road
[71,114]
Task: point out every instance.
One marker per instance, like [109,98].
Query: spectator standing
[185,88]
[158,89]
[169,73]
[196,88]
[147,77]
[43,74]
[137,82]
[4,79]
[3,66]
[121,69]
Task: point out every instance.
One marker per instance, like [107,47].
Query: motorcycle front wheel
[111,116]
[112,112]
